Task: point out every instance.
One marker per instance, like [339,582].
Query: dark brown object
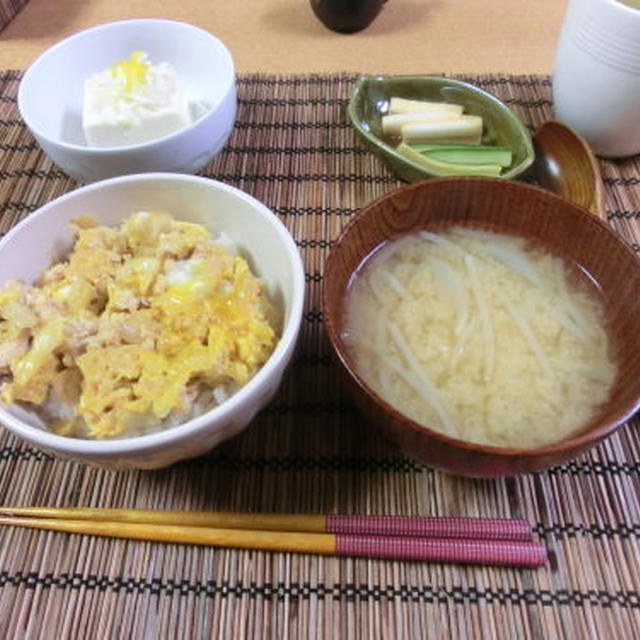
[346,16]
[504,207]
[565,164]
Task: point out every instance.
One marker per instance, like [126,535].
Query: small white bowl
[51,94]
[46,236]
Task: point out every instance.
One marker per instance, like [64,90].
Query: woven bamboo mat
[308,452]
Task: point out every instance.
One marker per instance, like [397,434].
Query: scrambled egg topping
[133,327]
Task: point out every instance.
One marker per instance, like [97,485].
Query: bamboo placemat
[308,452]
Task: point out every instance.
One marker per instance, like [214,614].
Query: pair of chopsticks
[488,541]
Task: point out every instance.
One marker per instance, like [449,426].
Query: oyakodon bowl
[46,237]
[505,207]
[51,93]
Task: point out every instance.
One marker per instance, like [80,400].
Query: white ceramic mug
[596,77]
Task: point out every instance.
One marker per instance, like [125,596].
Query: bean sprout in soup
[480,336]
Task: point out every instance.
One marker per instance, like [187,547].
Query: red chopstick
[412,526]
[431,527]
[484,552]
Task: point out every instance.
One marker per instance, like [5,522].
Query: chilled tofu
[133,101]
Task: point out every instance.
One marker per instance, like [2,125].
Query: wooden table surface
[455,36]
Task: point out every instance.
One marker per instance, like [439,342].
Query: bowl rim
[141,146]
[332,330]
[391,152]
[158,439]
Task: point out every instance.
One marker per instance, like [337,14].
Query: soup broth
[480,336]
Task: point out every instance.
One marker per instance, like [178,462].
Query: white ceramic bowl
[51,94]
[45,236]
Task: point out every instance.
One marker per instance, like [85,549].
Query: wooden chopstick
[494,552]
[411,526]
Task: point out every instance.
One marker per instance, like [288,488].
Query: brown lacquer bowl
[505,207]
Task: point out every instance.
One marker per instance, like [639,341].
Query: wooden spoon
[565,164]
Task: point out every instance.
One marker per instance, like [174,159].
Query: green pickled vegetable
[466,154]
[440,168]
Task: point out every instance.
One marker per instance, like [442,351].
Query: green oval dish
[370,101]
